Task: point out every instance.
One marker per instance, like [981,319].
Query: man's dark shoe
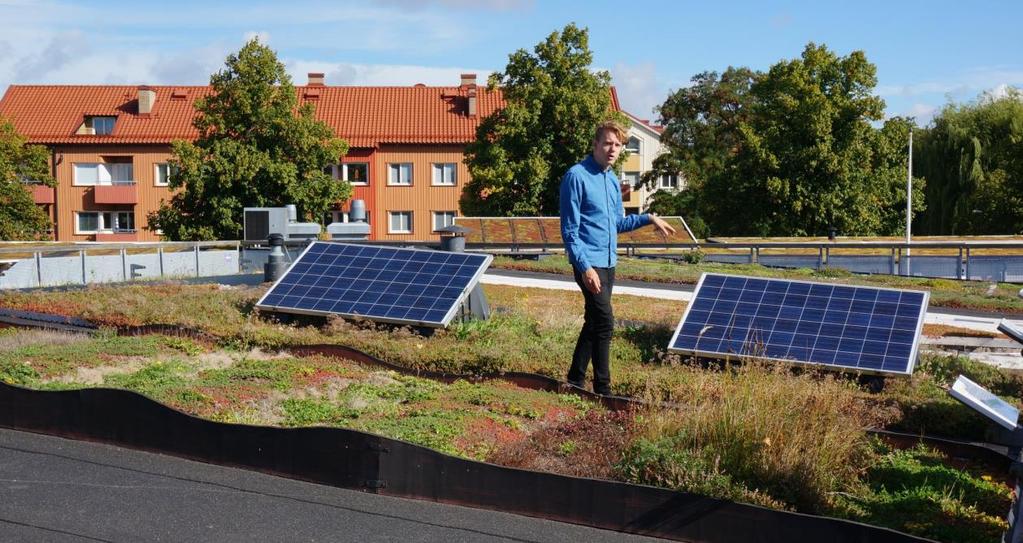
[577,384]
[602,391]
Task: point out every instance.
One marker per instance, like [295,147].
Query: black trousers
[595,338]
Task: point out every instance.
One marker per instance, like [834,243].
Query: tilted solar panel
[873,330]
[404,286]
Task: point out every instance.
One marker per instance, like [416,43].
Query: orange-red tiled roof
[364,116]
[52,113]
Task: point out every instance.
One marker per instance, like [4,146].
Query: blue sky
[926,53]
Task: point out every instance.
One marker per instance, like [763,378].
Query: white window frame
[90,122]
[630,178]
[391,215]
[436,214]
[340,171]
[394,178]
[439,170]
[105,173]
[662,185]
[156,174]
[639,145]
[107,222]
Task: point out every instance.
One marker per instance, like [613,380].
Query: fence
[34,265]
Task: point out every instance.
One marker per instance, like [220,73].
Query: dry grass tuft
[25,338]
[797,438]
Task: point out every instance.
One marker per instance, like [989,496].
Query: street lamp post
[909,199]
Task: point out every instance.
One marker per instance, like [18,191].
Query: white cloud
[262,35]
[638,89]
[970,82]
[381,74]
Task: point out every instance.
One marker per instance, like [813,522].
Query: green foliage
[916,492]
[668,462]
[20,217]
[693,257]
[554,101]
[16,372]
[683,203]
[256,147]
[790,151]
[970,157]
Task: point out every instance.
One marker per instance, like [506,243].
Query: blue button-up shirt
[592,215]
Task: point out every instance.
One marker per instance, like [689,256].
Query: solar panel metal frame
[473,281]
[960,390]
[715,354]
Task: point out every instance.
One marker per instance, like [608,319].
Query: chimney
[316,79]
[147,98]
[468,80]
[471,111]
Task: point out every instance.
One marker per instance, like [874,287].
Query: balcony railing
[42,194]
[121,192]
[117,236]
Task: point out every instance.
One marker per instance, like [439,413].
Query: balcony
[42,194]
[118,193]
[117,236]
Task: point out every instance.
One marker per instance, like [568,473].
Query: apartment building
[643,145]
[110,146]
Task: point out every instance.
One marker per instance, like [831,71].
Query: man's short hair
[611,126]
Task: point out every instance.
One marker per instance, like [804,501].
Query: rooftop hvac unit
[357,229]
[260,222]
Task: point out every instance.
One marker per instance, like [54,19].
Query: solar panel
[397,285]
[853,328]
[986,403]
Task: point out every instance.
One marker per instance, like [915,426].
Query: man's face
[606,148]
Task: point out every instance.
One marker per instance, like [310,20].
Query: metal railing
[29,264]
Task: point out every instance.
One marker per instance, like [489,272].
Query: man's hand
[592,281]
[662,225]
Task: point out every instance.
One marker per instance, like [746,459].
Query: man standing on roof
[592,215]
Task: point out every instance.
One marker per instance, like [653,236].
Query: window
[442,219]
[630,178]
[94,173]
[444,174]
[399,222]
[668,182]
[356,173]
[124,221]
[161,176]
[399,174]
[100,126]
[91,222]
[633,146]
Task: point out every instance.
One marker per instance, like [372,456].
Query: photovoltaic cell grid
[381,283]
[846,327]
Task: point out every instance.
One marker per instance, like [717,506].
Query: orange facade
[117,208]
[107,143]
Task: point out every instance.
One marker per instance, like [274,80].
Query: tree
[257,147]
[554,101]
[20,217]
[792,151]
[972,158]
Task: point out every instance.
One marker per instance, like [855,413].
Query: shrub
[694,256]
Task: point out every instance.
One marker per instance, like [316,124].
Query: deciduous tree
[20,217]
[792,151]
[972,158]
[257,146]
[554,101]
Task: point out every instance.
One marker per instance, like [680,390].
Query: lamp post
[909,200]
